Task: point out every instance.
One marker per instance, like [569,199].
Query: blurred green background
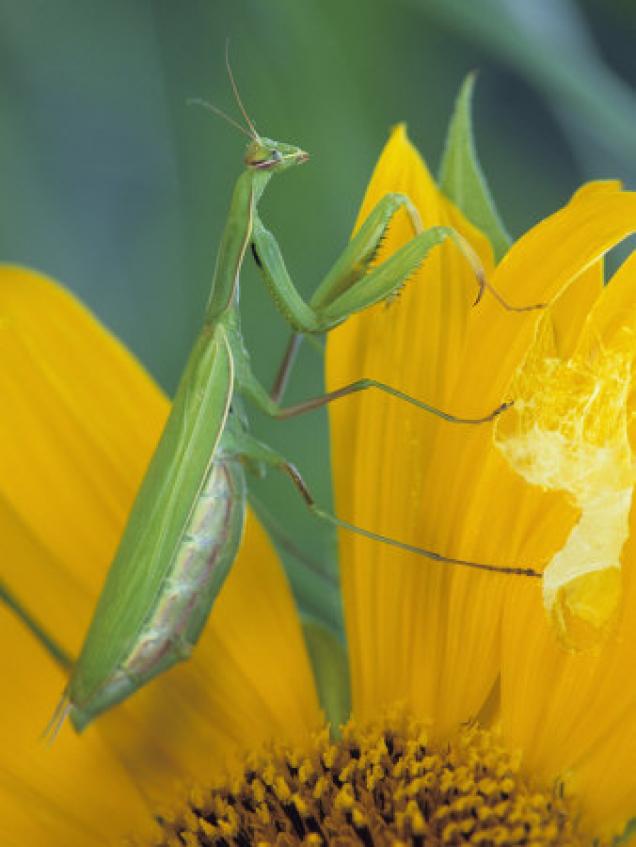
[114,185]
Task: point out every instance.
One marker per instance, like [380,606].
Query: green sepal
[628,833]
[461,177]
[328,657]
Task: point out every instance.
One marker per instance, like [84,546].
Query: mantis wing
[149,549]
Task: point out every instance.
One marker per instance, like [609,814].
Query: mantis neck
[234,242]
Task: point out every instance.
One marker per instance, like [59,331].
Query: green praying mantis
[186,524]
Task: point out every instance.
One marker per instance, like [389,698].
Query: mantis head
[267,155]
[262,154]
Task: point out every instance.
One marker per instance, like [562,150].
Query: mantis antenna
[198,101]
[237,96]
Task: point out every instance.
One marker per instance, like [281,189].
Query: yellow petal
[537,267]
[436,485]
[247,682]
[596,187]
[411,634]
[84,415]
[79,421]
[572,307]
[522,526]
[568,432]
[612,321]
[573,714]
[603,779]
[76,792]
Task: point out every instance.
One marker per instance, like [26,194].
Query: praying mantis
[186,524]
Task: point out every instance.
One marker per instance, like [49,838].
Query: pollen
[380,786]
[568,432]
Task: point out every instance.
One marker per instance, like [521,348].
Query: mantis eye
[266,160]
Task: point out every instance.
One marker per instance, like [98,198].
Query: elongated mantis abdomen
[181,538]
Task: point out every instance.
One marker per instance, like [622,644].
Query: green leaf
[331,671]
[461,177]
[628,833]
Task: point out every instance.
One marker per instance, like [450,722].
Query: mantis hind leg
[254,452]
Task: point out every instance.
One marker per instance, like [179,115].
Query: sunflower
[485,711]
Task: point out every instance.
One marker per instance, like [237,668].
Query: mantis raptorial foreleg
[352,265]
[349,287]
[356,258]
[352,285]
[353,289]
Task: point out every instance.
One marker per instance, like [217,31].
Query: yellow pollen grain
[358,817]
[258,791]
[568,432]
[344,799]
[329,757]
[376,787]
[306,771]
[262,811]
[282,789]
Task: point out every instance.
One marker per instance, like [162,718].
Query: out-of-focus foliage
[113,184]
